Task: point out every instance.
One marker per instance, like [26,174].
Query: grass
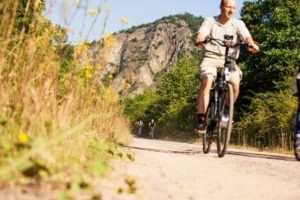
[54,126]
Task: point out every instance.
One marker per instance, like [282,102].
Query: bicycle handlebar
[224,43]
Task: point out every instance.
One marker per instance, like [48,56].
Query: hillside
[141,53]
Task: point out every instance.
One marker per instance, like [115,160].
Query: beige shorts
[209,67]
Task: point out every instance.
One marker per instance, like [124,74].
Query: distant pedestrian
[152,126]
[139,125]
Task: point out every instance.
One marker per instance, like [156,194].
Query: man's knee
[206,82]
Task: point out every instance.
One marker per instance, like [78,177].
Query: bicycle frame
[222,79]
[221,97]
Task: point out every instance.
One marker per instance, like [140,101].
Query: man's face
[228,9]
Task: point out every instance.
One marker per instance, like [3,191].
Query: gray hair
[223,2]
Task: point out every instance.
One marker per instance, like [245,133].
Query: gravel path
[170,170]
[165,170]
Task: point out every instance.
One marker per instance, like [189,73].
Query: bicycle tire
[225,124]
[207,138]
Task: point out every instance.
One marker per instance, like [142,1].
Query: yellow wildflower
[93,12]
[81,49]
[111,95]
[88,74]
[124,20]
[126,85]
[88,70]
[87,65]
[109,41]
[133,77]
[23,138]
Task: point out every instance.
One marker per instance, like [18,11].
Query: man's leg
[203,100]
[235,80]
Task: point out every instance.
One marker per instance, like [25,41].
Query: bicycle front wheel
[225,122]
[207,138]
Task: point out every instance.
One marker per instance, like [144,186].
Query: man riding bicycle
[214,54]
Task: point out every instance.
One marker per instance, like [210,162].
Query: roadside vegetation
[57,122]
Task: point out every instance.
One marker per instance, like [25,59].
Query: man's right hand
[200,40]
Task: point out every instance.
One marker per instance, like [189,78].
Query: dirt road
[168,170]
[165,170]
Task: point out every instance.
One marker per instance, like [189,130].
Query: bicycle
[219,114]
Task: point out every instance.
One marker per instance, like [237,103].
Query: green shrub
[269,123]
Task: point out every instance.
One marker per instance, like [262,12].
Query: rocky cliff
[141,53]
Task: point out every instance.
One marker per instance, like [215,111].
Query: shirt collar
[217,18]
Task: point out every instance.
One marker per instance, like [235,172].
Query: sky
[70,14]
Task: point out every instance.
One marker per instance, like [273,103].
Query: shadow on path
[259,155]
[193,151]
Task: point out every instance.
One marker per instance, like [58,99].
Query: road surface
[165,170]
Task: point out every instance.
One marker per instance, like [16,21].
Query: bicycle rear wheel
[225,121]
[207,138]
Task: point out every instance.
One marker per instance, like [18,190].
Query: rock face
[140,54]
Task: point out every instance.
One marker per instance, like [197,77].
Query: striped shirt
[211,27]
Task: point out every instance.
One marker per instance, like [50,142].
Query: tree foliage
[275,25]
[269,122]
[172,104]
[136,107]
[267,115]
[176,92]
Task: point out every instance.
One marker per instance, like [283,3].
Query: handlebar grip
[203,42]
[198,43]
[249,46]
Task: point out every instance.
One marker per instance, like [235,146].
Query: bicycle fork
[215,109]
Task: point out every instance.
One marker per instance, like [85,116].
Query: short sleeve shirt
[211,27]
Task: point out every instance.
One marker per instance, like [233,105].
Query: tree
[136,107]
[269,122]
[177,92]
[268,118]
[275,25]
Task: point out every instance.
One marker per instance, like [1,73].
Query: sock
[201,117]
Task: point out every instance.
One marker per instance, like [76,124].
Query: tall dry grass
[46,132]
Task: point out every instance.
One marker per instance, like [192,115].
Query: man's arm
[254,47]
[204,31]
[245,36]
[200,40]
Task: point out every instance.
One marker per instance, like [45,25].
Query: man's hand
[200,40]
[253,48]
